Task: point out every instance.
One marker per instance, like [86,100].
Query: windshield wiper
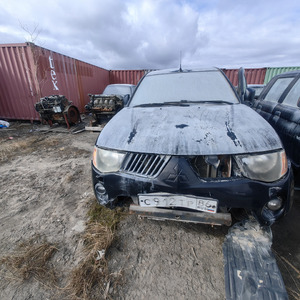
[148,105]
[184,103]
[177,103]
[214,102]
[173,103]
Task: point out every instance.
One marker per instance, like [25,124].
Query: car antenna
[180,69]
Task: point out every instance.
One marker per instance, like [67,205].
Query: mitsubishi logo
[177,176]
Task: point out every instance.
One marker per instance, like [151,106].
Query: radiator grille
[147,165]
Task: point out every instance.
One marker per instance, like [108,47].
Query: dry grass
[105,216]
[93,270]
[97,236]
[9,148]
[24,145]
[91,279]
[31,260]
[294,274]
[293,294]
[27,144]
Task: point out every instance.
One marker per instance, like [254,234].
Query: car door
[270,97]
[286,121]
[278,105]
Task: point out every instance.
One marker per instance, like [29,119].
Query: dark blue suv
[186,148]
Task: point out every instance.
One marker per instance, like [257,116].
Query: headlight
[266,167]
[107,161]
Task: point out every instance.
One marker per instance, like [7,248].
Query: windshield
[117,90]
[184,87]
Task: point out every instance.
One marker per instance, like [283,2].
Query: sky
[154,34]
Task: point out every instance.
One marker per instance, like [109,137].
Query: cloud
[150,34]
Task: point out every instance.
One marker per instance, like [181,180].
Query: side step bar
[251,271]
[181,216]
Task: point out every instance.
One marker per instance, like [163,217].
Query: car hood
[206,129]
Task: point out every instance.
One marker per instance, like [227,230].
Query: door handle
[277,113]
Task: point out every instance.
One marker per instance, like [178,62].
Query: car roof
[171,71]
[256,85]
[121,84]
[297,72]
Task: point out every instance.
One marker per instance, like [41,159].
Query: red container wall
[29,72]
[253,76]
[18,83]
[126,76]
[63,75]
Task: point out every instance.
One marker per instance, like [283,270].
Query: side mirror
[242,84]
[249,95]
[126,99]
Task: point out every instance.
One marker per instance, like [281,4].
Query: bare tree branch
[33,33]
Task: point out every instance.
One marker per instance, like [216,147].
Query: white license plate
[169,200]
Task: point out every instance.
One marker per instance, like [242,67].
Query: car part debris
[251,271]
[57,109]
[104,106]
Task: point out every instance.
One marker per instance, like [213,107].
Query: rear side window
[278,88]
[293,95]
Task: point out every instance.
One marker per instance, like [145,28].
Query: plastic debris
[100,254]
[251,271]
[4,124]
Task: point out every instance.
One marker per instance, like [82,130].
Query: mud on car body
[186,147]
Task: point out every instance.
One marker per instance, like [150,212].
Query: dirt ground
[46,193]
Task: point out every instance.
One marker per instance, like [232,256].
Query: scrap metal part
[181,216]
[103,107]
[251,271]
[57,109]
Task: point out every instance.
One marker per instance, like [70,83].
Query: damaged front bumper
[178,178]
[181,216]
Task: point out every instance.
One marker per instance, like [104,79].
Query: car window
[187,86]
[117,90]
[293,95]
[278,88]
